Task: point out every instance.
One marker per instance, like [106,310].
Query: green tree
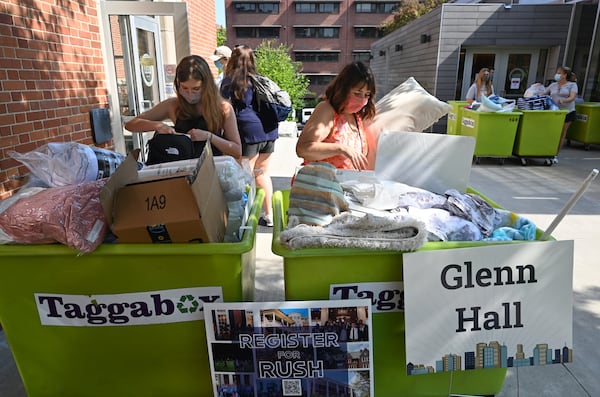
[221,36]
[409,10]
[274,61]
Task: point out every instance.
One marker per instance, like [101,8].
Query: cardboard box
[179,208]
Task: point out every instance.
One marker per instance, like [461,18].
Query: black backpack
[163,148]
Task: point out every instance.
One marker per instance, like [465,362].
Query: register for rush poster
[300,348]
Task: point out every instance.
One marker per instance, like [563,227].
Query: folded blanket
[316,195]
[367,232]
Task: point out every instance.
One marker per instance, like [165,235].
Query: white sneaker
[265,221]
[555,160]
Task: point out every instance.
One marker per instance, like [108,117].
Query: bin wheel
[587,147]
[523,162]
[548,162]
[476,159]
[501,161]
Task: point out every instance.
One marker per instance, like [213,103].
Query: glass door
[142,44]
[513,70]
[142,83]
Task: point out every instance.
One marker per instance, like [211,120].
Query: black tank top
[184,126]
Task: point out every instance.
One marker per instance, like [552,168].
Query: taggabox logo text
[138,308]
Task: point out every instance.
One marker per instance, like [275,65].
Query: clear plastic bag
[68,163]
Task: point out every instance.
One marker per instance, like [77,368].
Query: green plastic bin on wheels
[454,117]
[586,127]
[116,359]
[308,274]
[538,134]
[494,132]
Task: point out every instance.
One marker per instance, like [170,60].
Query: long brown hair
[480,83]
[195,67]
[240,67]
[352,75]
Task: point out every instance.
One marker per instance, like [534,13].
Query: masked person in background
[337,131]
[564,92]
[482,85]
[198,111]
[220,58]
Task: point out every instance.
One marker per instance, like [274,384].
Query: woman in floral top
[337,132]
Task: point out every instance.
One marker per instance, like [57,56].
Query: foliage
[221,36]
[275,62]
[409,10]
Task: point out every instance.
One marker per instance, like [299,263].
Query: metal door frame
[178,11]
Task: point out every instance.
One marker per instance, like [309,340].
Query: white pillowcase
[409,107]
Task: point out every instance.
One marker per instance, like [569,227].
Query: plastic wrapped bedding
[71,215]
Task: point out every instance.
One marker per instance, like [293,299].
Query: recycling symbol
[187,304]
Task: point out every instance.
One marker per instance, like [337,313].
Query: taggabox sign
[138,308]
[494,306]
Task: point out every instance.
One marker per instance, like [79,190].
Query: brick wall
[203,29]
[347,19]
[51,75]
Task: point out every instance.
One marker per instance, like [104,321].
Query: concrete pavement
[537,192]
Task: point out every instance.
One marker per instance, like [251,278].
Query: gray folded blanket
[351,231]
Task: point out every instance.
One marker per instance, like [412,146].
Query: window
[361,56]
[376,8]
[388,8]
[366,8]
[257,32]
[245,7]
[317,32]
[367,32]
[268,8]
[320,79]
[317,56]
[317,8]
[261,8]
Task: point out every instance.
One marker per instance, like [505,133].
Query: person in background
[338,130]
[198,110]
[220,58]
[564,92]
[482,85]
[257,144]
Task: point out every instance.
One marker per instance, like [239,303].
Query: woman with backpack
[257,144]
[197,112]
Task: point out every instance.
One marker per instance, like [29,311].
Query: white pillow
[409,107]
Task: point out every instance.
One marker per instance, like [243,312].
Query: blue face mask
[219,65]
[557,77]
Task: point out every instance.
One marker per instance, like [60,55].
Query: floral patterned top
[343,133]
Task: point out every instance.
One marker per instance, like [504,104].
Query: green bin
[309,272]
[538,133]
[494,132]
[168,359]
[454,117]
[586,127]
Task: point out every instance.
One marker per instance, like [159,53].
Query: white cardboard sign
[492,306]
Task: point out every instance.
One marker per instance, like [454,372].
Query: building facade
[323,35]
[62,59]
[522,43]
